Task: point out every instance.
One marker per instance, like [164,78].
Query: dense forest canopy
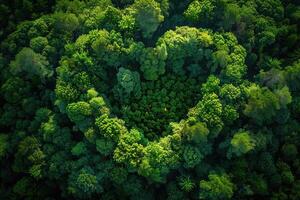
[150,99]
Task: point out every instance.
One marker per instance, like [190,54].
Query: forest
[150,99]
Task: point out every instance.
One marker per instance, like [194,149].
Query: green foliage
[84,183]
[186,184]
[263,104]
[104,146]
[217,187]
[211,85]
[98,105]
[130,149]
[230,93]
[3,145]
[30,157]
[271,8]
[65,22]
[165,103]
[232,15]
[31,64]
[79,113]
[13,89]
[158,159]
[79,149]
[209,110]
[66,92]
[292,75]
[191,156]
[153,62]
[141,99]
[241,143]
[196,133]
[39,43]
[185,42]
[197,11]
[128,83]
[119,175]
[148,16]
[110,127]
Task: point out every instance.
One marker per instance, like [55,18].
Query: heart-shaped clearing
[104,77]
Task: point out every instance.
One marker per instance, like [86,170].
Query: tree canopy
[150,99]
